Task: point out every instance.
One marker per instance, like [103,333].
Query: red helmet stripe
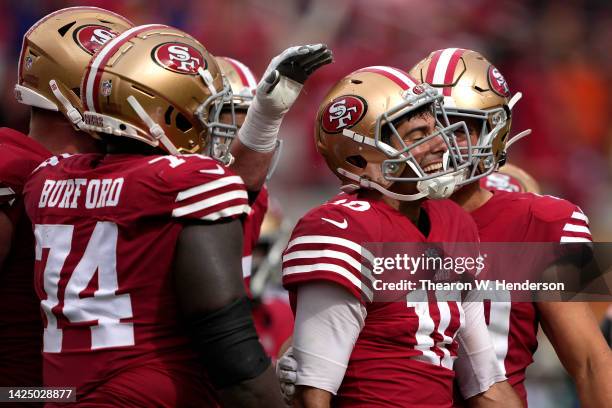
[55,13]
[450,70]
[400,77]
[432,66]
[246,75]
[93,75]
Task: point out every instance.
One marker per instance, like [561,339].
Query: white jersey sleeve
[328,321]
[476,367]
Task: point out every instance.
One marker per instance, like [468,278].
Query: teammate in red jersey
[378,132]
[272,316]
[243,84]
[54,53]
[135,198]
[477,93]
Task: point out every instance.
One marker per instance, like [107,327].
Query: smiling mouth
[432,168]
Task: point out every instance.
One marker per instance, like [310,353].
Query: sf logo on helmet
[93,37]
[343,112]
[178,57]
[498,82]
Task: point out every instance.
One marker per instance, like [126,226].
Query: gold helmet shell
[356,135]
[241,79]
[473,88]
[159,85]
[54,53]
[511,178]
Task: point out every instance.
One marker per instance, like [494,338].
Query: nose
[438,145]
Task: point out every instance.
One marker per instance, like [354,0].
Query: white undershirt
[328,322]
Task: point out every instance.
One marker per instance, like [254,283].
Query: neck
[471,197]
[53,131]
[410,209]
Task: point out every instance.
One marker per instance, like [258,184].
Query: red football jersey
[252,228]
[20,322]
[523,217]
[106,228]
[404,354]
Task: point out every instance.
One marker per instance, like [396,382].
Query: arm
[279,88]
[208,281]
[6,237]
[309,397]
[481,379]
[575,335]
[251,165]
[327,323]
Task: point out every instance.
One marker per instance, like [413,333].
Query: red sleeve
[252,224]
[199,188]
[328,245]
[559,220]
[14,171]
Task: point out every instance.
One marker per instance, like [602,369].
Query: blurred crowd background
[555,53]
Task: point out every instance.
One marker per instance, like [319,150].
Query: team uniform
[523,217]
[20,322]
[106,228]
[404,353]
[252,228]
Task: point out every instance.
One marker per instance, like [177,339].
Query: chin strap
[517,137]
[515,98]
[365,183]
[513,101]
[154,129]
[71,112]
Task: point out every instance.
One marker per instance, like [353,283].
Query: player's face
[473,127]
[240,114]
[429,154]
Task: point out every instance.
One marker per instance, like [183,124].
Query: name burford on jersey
[106,228]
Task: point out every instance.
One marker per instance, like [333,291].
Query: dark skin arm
[252,166]
[500,394]
[310,397]
[208,276]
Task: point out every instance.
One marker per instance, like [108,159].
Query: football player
[378,132]
[54,53]
[271,315]
[243,84]
[477,93]
[131,241]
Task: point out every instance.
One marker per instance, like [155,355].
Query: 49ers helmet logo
[178,57]
[92,37]
[342,113]
[498,82]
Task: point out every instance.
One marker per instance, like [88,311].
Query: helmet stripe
[246,75]
[432,66]
[442,66]
[450,70]
[55,13]
[401,78]
[94,71]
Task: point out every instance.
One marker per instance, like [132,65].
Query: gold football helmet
[55,52]
[355,132]
[241,80]
[511,178]
[159,85]
[473,89]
